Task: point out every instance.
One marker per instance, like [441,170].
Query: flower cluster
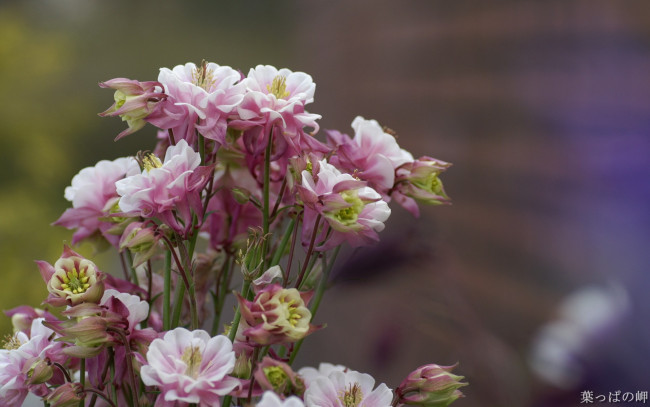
[237,194]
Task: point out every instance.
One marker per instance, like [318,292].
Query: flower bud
[134,101]
[140,240]
[38,371]
[278,376]
[420,180]
[431,385]
[243,366]
[66,395]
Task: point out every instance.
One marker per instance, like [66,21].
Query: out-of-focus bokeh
[535,279]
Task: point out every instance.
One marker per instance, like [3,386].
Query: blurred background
[535,279]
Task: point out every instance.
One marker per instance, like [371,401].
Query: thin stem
[279,199]
[129,365]
[170,133]
[167,290]
[102,380]
[285,281]
[309,252]
[82,379]
[237,317]
[256,353]
[220,293]
[125,269]
[129,256]
[64,371]
[283,244]
[178,305]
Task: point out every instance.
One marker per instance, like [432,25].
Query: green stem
[283,244]
[178,304]
[221,293]
[309,251]
[237,317]
[167,290]
[82,379]
[226,401]
[133,273]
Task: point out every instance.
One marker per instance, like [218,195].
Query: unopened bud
[66,395]
[431,385]
[242,369]
[38,371]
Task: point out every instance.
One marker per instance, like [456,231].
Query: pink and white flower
[17,358]
[277,98]
[346,388]
[190,367]
[354,211]
[198,98]
[93,197]
[169,190]
[372,154]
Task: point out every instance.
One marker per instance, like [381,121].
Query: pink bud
[430,385]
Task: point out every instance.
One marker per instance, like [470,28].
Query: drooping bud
[431,385]
[38,371]
[140,240]
[134,101]
[278,376]
[66,395]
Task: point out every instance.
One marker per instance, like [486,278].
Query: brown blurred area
[542,107]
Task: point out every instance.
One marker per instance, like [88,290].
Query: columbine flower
[134,101]
[276,315]
[199,98]
[430,385]
[169,189]
[347,389]
[93,197]
[72,280]
[354,211]
[191,367]
[277,98]
[23,363]
[270,399]
[372,154]
[418,180]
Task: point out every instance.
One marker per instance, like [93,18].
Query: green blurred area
[52,55]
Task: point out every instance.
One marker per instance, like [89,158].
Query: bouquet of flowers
[237,197]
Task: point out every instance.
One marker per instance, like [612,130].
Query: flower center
[291,309]
[202,76]
[348,216]
[75,282]
[278,87]
[148,161]
[277,377]
[352,396]
[11,342]
[192,358]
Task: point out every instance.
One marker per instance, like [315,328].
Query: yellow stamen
[278,87]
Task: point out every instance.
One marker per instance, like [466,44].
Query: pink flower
[72,280]
[134,101]
[354,211]
[276,315]
[19,355]
[277,98]
[190,367]
[372,154]
[93,197]
[199,98]
[270,399]
[346,388]
[168,190]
